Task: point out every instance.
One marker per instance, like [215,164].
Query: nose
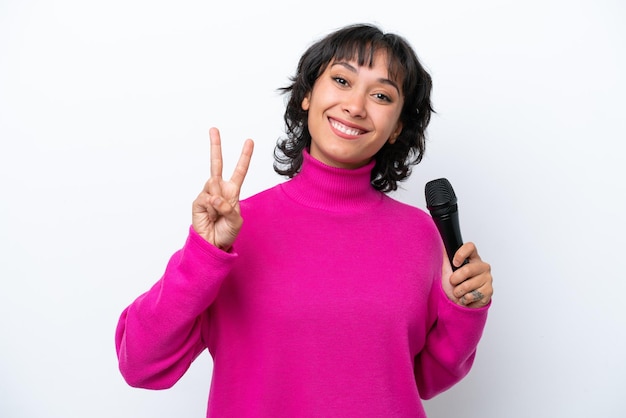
[354,104]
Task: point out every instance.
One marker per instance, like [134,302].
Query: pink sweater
[329,304]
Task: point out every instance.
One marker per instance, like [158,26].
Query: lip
[345,129]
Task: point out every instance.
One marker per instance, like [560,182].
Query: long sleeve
[160,333]
[450,346]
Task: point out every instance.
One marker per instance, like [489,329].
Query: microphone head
[440,196]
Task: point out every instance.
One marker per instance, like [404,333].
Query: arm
[460,306]
[450,347]
[160,333]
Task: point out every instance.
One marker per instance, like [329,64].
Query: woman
[332,299]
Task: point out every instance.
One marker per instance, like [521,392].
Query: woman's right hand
[216,215]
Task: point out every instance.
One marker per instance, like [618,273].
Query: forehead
[367,55]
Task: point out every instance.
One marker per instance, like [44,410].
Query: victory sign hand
[215,213]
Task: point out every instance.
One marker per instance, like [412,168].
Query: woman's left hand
[470,285]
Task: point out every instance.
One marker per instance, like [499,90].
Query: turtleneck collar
[320,186]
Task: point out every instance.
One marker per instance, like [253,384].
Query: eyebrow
[353,69]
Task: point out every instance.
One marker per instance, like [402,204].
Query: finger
[216,152]
[202,205]
[244,162]
[466,253]
[476,289]
[213,186]
[463,275]
[471,276]
[474,298]
[227,211]
[203,215]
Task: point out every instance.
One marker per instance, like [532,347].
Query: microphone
[442,204]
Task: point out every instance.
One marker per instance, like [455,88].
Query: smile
[345,129]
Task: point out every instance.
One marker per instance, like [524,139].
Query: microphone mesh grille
[439,192]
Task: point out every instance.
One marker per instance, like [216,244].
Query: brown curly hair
[361,42]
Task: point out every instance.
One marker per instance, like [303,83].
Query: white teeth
[344,128]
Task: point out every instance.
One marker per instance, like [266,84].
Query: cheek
[391,124]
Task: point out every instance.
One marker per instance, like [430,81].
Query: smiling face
[353,111]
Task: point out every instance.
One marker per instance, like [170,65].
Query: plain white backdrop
[105,109]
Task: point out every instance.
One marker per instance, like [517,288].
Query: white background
[105,108]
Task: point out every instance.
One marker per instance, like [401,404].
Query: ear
[396,133]
[306,102]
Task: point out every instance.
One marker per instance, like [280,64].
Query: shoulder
[410,217]
[405,210]
[261,201]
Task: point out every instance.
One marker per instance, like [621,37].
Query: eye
[340,80]
[383,97]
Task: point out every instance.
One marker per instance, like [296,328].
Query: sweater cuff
[196,243]
[199,265]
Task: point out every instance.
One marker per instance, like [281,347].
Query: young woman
[332,298]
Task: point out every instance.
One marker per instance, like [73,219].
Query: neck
[334,189]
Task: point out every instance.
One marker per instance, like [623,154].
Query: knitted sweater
[329,304]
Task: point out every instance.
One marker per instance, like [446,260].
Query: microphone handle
[450,231]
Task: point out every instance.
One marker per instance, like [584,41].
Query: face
[352,112]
